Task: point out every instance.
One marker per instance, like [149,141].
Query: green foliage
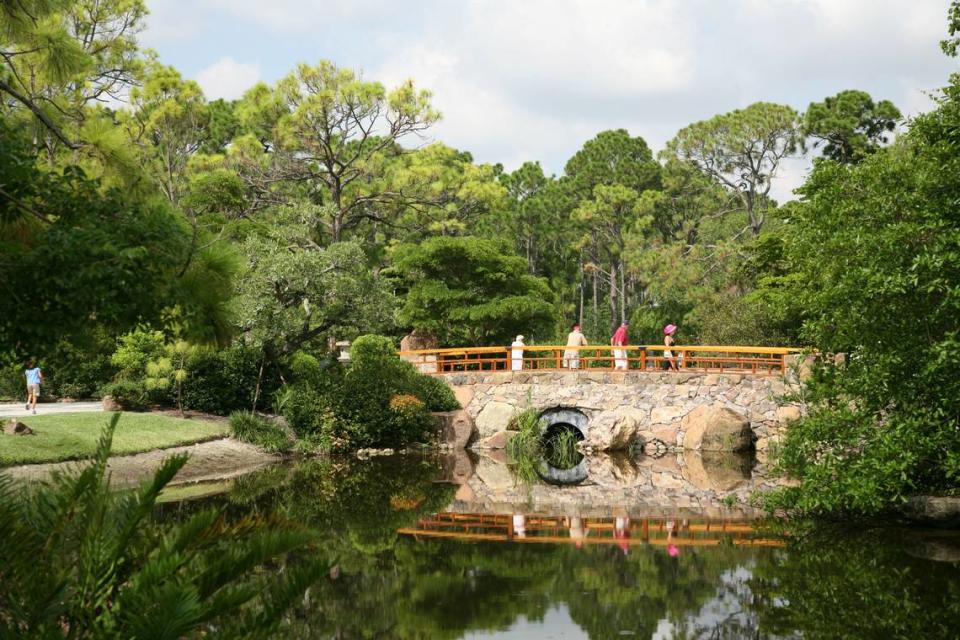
[741,150]
[131,395]
[470,291]
[950,45]
[254,429]
[877,250]
[135,350]
[223,381]
[378,400]
[850,125]
[295,291]
[75,545]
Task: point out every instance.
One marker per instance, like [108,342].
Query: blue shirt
[33,375]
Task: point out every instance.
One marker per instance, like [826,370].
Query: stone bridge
[619,409]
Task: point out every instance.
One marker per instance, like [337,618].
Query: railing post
[556,353]
[643,358]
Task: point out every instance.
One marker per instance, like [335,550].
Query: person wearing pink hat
[669,362]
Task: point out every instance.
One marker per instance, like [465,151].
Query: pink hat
[670,328]
[673,550]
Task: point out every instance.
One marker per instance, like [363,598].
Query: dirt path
[213,460]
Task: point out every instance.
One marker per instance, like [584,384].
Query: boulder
[17,428]
[416,341]
[614,430]
[456,428]
[715,471]
[494,417]
[456,467]
[493,474]
[942,511]
[464,395]
[612,471]
[716,428]
[665,414]
[109,403]
[498,440]
[465,494]
[787,414]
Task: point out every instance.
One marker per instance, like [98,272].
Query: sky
[534,79]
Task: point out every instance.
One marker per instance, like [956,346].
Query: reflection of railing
[574,530]
[708,359]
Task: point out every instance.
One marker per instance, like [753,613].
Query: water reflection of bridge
[618,531]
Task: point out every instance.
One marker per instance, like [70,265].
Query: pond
[456,547]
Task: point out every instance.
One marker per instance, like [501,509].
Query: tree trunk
[582,287]
[256,391]
[596,309]
[613,294]
[623,296]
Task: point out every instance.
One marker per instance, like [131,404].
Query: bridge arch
[561,418]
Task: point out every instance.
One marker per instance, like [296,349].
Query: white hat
[519,338]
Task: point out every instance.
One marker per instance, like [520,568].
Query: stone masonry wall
[657,401]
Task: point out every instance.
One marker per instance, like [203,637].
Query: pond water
[455,547]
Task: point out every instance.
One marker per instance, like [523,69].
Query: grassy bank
[71,436]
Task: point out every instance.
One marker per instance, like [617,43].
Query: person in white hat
[516,354]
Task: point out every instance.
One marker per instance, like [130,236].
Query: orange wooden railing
[708,359]
[594,530]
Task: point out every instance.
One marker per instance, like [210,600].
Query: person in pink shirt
[620,339]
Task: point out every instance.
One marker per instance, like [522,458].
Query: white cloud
[534,79]
[228,79]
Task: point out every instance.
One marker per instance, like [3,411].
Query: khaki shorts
[33,389]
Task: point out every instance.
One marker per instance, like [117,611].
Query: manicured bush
[129,394]
[377,400]
[223,381]
[435,393]
[259,431]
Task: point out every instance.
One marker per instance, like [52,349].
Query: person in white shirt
[516,354]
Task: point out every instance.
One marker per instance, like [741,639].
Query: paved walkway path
[16,410]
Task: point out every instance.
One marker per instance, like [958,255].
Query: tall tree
[850,125]
[61,56]
[331,131]
[469,290]
[612,157]
[741,150]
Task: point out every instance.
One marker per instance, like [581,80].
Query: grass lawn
[71,436]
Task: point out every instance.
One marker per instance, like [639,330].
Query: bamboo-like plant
[81,560]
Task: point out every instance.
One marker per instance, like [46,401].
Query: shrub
[256,430]
[13,384]
[436,393]
[379,400]
[220,382]
[135,350]
[129,394]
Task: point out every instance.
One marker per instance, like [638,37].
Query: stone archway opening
[559,419]
[561,430]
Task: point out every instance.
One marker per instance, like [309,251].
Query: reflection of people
[668,360]
[516,354]
[621,532]
[34,379]
[672,549]
[571,357]
[620,339]
[520,525]
[577,532]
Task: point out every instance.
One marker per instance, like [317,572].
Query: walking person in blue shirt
[34,380]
